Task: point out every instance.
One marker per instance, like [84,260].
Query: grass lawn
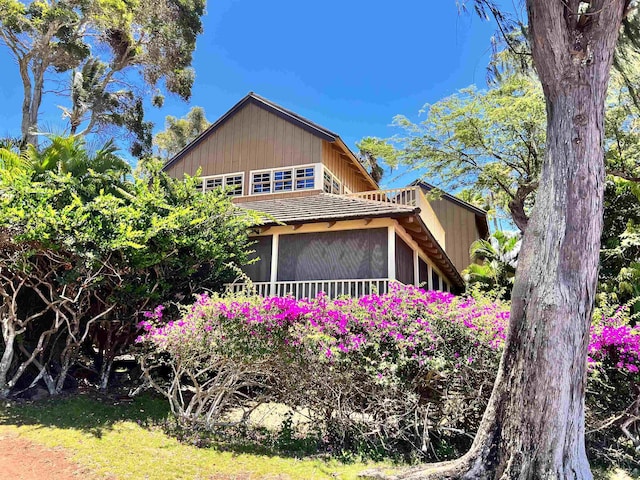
[123,442]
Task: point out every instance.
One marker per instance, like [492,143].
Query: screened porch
[352,262]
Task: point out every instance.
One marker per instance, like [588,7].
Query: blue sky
[347,65]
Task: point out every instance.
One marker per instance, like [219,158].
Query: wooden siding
[460,225]
[341,167]
[252,139]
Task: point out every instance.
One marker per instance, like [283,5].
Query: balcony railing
[410,196]
[311,288]
[401,196]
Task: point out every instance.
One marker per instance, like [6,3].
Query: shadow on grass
[95,414]
[88,412]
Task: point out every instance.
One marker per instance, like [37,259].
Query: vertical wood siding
[252,139]
[460,225]
[341,168]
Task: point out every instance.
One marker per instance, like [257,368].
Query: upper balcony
[411,196]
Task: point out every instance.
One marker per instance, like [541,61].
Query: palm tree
[499,257]
[12,158]
[67,156]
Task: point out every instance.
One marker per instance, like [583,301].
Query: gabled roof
[281,112]
[481,215]
[326,207]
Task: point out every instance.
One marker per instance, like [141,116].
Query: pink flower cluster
[615,342]
[407,324]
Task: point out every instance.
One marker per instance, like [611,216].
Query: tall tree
[179,132]
[96,105]
[154,38]
[490,140]
[533,426]
[372,149]
[493,141]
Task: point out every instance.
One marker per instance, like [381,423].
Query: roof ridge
[299,117]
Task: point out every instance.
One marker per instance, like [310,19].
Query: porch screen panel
[423,272]
[260,271]
[404,262]
[435,279]
[350,254]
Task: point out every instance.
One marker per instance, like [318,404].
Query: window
[305,178]
[278,180]
[282,180]
[234,181]
[211,183]
[261,182]
[331,184]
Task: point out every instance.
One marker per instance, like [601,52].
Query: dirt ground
[23,460]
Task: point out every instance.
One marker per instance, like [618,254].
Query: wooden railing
[311,288]
[401,196]
[410,196]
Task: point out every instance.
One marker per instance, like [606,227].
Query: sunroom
[347,245]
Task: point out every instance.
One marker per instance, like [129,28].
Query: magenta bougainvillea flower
[407,324]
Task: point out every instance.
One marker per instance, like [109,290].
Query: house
[328,226]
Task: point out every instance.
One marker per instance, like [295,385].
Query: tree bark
[26,126]
[533,427]
[8,337]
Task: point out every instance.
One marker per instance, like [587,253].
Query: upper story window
[331,184]
[234,181]
[305,178]
[279,180]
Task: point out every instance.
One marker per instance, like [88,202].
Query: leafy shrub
[382,373]
[83,253]
[406,374]
[613,390]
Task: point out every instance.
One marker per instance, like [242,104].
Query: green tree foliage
[101,43]
[179,132]
[620,254]
[499,259]
[491,143]
[490,140]
[78,263]
[96,106]
[371,151]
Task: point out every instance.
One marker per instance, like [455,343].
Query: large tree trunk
[533,427]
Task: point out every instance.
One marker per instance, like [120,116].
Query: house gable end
[273,160]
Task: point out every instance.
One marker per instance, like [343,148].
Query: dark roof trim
[355,216]
[298,120]
[261,102]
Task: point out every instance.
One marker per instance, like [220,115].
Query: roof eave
[359,165]
[335,219]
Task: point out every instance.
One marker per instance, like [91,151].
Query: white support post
[275,247]
[430,275]
[391,252]
[416,268]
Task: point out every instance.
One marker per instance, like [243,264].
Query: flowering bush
[401,373]
[613,390]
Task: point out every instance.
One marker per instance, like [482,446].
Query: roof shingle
[324,207]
